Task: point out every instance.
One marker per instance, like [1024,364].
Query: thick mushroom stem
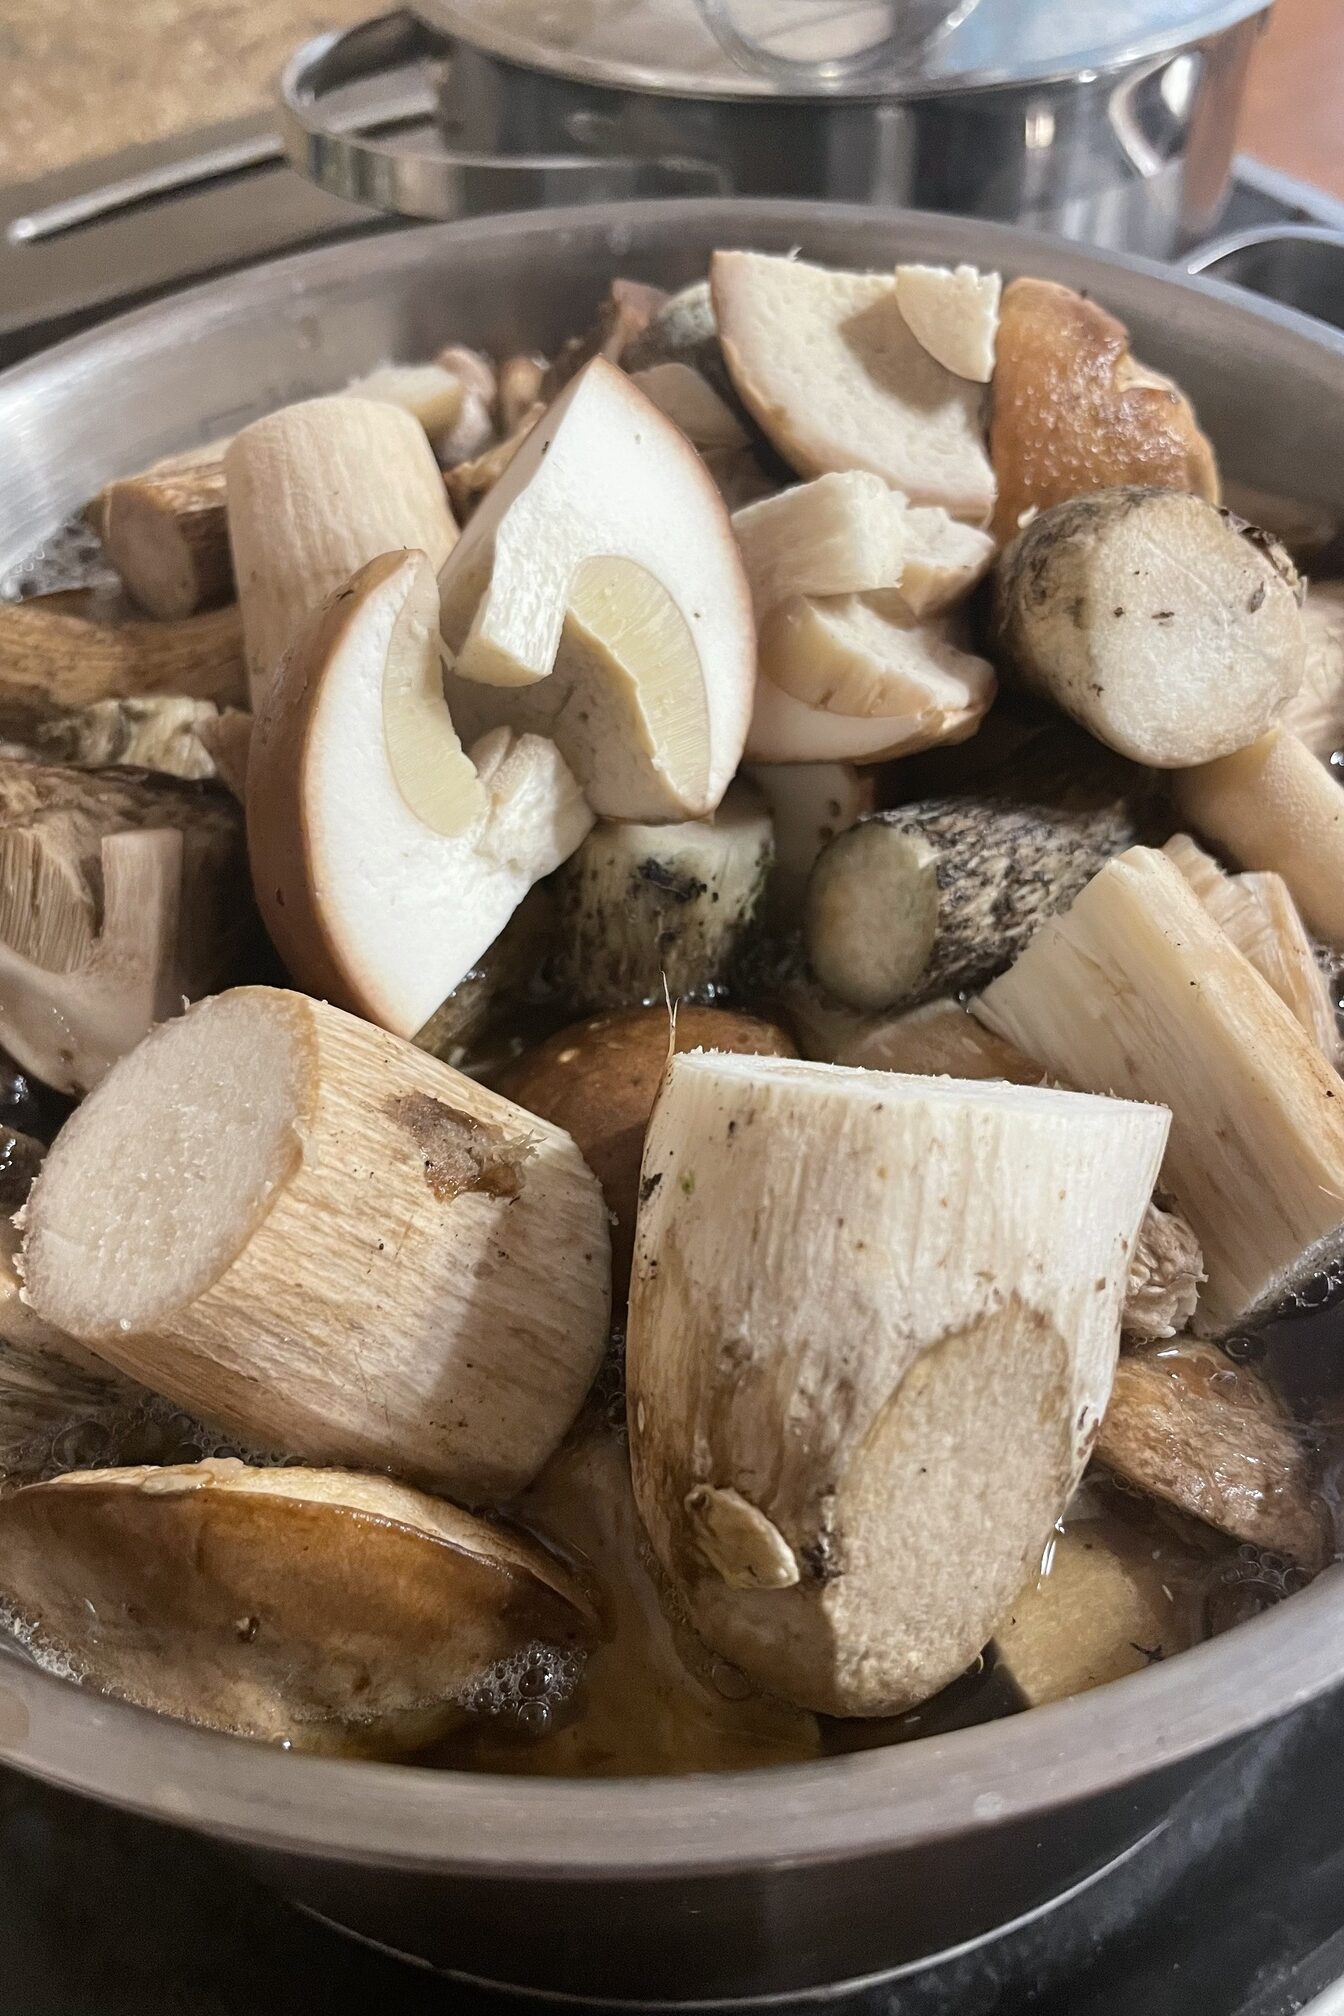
[118,897]
[324,1241]
[1168,630]
[938,896]
[167,534]
[852,1433]
[315,492]
[1136,990]
[597,596]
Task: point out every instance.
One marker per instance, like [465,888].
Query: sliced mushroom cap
[954,312]
[830,369]
[867,657]
[321,1608]
[598,596]
[385,859]
[1211,1437]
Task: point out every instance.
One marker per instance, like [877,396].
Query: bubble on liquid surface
[527,1688]
[69,557]
[148,1430]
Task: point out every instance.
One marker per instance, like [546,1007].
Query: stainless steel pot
[714,1887]
[1109,123]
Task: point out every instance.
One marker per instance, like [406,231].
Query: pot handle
[345,155]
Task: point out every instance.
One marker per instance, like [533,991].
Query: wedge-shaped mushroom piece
[1260,917]
[326,1242]
[54,657]
[1136,990]
[648,911]
[831,371]
[1167,632]
[315,492]
[1111,1599]
[933,897]
[1273,806]
[839,535]
[954,312]
[386,860]
[650,1700]
[118,897]
[167,534]
[852,1433]
[1315,714]
[319,1608]
[866,657]
[1213,1439]
[157,731]
[598,1080]
[785,730]
[1074,412]
[597,596]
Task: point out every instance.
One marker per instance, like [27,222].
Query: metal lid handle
[345,156]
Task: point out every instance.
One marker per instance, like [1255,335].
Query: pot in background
[670,1890]
[1113,125]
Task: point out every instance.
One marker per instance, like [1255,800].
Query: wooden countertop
[86,77]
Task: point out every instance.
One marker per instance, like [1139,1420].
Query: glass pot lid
[831,48]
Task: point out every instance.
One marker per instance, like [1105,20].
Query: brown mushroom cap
[598,1080]
[332,1611]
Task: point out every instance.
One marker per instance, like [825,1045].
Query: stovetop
[1237,1909]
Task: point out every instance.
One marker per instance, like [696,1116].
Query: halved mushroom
[385,858]
[1315,713]
[1213,1439]
[118,898]
[852,1433]
[1074,412]
[597,596]
[54,656]
[1273,806]
[1136,990]
[830,369]
[648,911]
[954,312]
[598,1080]
[320,1239]
[315,492]
[1260,917]
[317,1608]
[1169,631]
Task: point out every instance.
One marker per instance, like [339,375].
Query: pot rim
[864,1804]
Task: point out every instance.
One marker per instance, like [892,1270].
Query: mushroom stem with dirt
[1273,806]
[1135,990]
[386,859]
[164,732]
[315,492]
[852,1434]
[597,596]
[118,898]
[326,1242]
[649,911]
[929,898]
[328,1611]
[54,657]
[1168,630]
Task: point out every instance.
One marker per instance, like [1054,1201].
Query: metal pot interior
[1270,388]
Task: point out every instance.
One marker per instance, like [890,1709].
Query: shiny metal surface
[863,48]
[687,1888]
[1131,150]
[1300,265]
